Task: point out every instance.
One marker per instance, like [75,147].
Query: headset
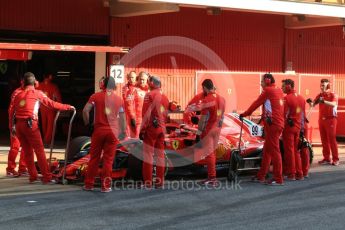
[289,85]
[101,83]
[37,84]
[328,83]
[268,79]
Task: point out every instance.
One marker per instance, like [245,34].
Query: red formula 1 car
[181,155]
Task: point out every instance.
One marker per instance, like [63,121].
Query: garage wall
[63,16]
[317,50]
[244,41]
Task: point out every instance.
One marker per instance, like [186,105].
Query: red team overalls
[154,116]
[327,126]
[294,112]
[272,99]
[130,98]
[141,92]
[15,146]
[213,107]
[107,106]
[25,110]
[48,115]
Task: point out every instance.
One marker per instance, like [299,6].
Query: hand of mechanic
[241,117]
[133,123]
[141,135]
[301,134]
[13,131]
[198,143]
[310,102]
[122,136]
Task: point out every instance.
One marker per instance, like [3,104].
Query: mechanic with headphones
[209,127]
[294,113]
[24,117]
[272,99]
[130,98]
[109,128]
[328,102]
[152,132]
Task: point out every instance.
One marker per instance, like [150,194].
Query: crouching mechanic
[294,113]
[25,114]
[272,99]
[209,127]
[109,128]
[152,131]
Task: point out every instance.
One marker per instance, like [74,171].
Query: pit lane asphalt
[315,203]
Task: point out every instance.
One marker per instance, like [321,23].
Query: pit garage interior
[183,42]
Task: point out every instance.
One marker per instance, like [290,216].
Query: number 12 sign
[118,72]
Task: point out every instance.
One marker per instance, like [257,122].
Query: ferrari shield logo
[298,109]
[107,110]
[162,109]
[175,144]
[219,112]
[141,94]
[22,103]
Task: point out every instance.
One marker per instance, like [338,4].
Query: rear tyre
[233,168]
[76,146]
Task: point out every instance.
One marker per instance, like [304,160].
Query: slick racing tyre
[78,148]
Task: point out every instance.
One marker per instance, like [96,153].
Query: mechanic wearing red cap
[152,131]
[209,127]
[15,146]
[193,106]
[294,113]
[48,115]
[109,127]
[25,114]
[142,89]
[272,99]
[130,96]
[328,102]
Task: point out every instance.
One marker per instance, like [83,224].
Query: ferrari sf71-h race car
[239,148]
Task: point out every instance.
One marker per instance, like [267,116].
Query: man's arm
[259,101]
[86,113]
[201,124]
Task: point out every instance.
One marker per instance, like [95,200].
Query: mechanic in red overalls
[109,128]
[48,115]
[192,107]
[142,89]
[209,127]
[294,113]
[154,117]
[25,114]
[328,102]
[130,96]
[15,145]
[272,99]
